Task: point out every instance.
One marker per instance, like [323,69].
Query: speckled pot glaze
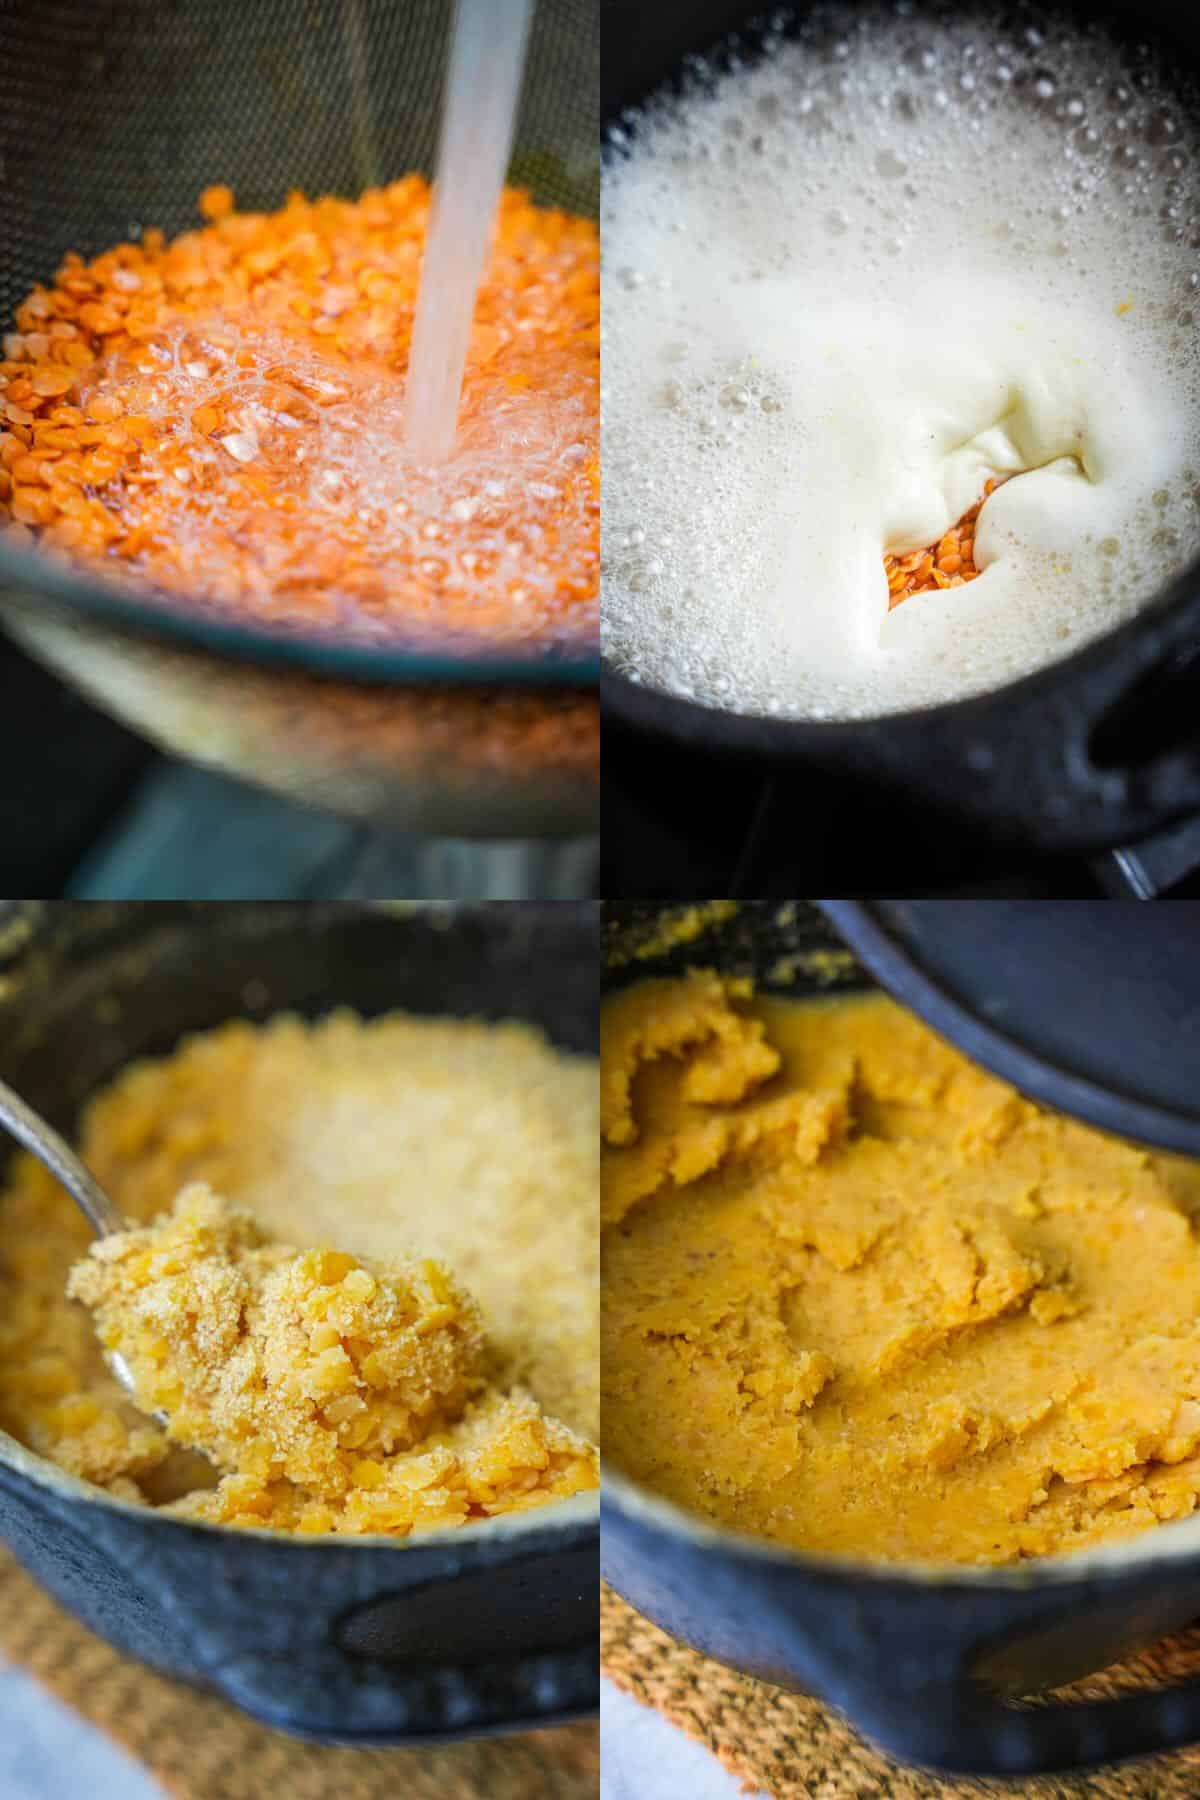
[923,1659]
[493,1628]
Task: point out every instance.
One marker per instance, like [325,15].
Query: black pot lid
[1090,1006]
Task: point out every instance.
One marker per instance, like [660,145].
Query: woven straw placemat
[794,1748]
[200,1748]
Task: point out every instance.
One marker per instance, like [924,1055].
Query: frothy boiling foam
[846,282]
[291,491]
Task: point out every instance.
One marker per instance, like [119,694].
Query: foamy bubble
[950,179]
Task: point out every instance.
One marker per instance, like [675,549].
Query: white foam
[844,284]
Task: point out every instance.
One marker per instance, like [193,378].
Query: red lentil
[948,563]
[168,409]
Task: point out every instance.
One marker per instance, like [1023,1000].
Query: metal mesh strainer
[114,114]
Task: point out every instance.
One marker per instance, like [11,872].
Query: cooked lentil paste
[860,1296]
[437,1365]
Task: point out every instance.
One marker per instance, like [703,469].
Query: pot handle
[1075,759]
[355,1701]
[970,1733]
[1145,692]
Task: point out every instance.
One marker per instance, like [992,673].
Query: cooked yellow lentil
[443,1158]
[860,1296]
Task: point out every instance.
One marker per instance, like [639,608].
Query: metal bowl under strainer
[114,114]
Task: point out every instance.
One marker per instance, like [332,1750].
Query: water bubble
[1058,154]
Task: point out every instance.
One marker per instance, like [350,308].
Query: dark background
[68,774]
[679,825]
[89,811]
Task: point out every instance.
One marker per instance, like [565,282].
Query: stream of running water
[483,86]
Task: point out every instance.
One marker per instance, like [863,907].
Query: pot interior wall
[787,947]
[85,989]
[647,46]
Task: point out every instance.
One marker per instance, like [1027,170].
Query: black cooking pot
[925,1660]
[1098,750]
[488,1628]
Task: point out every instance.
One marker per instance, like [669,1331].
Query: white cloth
[47,1751]
[644,1757]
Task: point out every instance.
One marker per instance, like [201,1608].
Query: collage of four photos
[500,1297]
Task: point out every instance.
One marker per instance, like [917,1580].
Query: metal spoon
[30,1129]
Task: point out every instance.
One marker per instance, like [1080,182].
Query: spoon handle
[57,1155]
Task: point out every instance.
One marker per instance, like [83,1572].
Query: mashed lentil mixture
[436,1367]
[860,1296]
[222,415]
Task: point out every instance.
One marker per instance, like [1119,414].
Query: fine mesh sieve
[114,114]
